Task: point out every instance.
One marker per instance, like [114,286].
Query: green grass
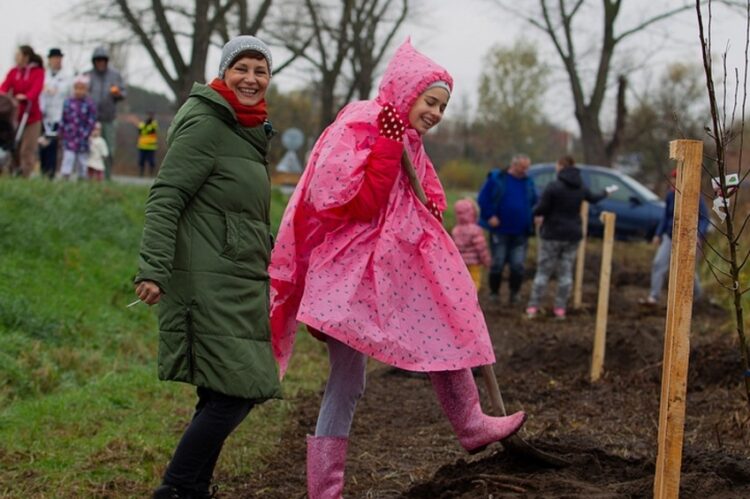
[82,413]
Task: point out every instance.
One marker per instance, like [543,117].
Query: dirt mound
[592,473]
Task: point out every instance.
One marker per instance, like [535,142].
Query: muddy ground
[402,446]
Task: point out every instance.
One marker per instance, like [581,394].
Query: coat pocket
[245,239]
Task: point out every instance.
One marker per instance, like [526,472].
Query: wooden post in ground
[602,307]
[689,155]
[581,258]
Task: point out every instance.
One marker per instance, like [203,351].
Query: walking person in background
[78,120]
[98,153]
[148,142]
[204,258]
[663,240]
[371,270]
[505,201]
[107,88]
[25,83]
[56,90]
[559,212]
[470,240]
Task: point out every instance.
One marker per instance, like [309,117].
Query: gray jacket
[99,89]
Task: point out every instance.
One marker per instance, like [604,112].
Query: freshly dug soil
[402,445]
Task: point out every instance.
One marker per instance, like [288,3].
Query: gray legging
[346,384]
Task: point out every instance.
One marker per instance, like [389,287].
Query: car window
[543,178]
[641,189]
[598,181]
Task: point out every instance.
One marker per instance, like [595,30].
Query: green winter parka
[207,243]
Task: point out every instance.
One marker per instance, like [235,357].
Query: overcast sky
[457,34]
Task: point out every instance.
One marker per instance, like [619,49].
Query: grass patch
[83,414]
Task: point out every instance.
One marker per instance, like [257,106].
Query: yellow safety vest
[147,140]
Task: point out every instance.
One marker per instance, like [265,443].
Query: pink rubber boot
[326,458]
[458,395]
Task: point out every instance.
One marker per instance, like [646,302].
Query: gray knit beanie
[240,44]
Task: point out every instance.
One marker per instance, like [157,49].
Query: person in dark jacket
[107,89]
[559,210]
[204,255]
[505,202]
[663,240]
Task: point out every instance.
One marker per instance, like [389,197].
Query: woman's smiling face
[428,110]
[248,78]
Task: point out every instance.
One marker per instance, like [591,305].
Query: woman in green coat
[203,258]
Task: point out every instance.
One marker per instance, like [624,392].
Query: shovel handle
[413,180]
[488,373]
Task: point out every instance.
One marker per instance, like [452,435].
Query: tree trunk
[327,102]
[592,139]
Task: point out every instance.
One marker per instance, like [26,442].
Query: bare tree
[177,35]
[349,41]
[557,23]
[369,19]
[725,132]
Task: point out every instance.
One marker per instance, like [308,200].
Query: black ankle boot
[171,492]
[208,493]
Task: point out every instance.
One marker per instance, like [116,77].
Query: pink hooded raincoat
[394,288]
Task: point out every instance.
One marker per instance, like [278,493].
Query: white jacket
[56,89]
[97,152]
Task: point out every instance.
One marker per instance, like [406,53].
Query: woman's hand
[148,292]
[20,97]
[390,125]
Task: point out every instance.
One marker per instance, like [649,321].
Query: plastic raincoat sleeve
[186,166]
[340,163]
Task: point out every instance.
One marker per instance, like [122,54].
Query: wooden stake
[602,308]
[581,257]
[689,155]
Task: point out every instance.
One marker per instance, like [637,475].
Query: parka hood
[100,53]
[571,176]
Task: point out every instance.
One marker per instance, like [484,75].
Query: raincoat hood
[466,212]
[409,73]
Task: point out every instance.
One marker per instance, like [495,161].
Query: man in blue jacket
[505,202]
[663,239]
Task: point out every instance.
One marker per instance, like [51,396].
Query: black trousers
[48,158]
[216,416]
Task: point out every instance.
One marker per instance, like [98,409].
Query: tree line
[342,44]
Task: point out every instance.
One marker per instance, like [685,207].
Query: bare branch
[712,269]
[648,22]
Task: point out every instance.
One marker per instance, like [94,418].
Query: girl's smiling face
[428,110]
[248,78]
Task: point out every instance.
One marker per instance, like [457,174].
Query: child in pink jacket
[470,240]
[362,261]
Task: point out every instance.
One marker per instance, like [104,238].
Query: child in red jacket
[470,240]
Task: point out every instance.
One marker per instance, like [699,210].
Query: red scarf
[248,116]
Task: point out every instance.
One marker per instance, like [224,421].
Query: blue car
[638,209]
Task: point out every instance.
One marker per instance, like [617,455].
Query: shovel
[514,443]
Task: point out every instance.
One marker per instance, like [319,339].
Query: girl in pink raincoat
[470,240]
[359,259]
